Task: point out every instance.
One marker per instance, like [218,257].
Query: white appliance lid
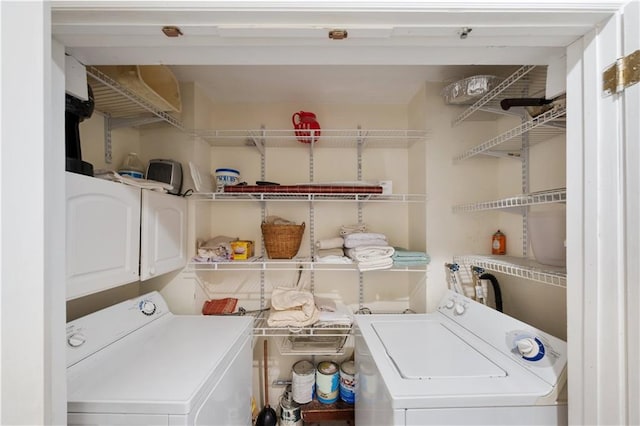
[437,352]
[164,367]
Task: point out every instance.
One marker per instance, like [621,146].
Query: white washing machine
[463,364]
[136,363]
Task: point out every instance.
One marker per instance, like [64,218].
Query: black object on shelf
[505,104]
[76,110]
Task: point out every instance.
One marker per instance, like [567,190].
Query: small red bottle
[499,243]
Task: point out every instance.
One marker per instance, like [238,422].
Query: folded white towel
[330,243]
[330,252]
[365,239]
[341,316]
[334,259]
[365,236]
[370,265]
[370,253]
[365,243]
[349,229]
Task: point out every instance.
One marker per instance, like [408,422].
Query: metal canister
[327,378]
[303,381]
[290,414]
[348,382]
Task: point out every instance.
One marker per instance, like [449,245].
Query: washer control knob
[450,304]
[459,309]
[147,307]
[530,348]
[76,339]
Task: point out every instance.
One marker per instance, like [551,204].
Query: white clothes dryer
[463,364]
[136,363]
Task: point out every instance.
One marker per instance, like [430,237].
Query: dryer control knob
[147,307]
[450,304]
[528,347]
[459,309]
[75,340]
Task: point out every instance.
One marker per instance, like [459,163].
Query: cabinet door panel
[164,236]
[103,234]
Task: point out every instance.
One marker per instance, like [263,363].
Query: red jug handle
[293,119]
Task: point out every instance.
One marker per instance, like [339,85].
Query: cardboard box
[241,250]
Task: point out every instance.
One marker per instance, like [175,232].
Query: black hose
[496,289]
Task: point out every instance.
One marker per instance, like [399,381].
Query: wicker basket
[282,241]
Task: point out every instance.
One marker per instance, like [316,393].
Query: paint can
[303,381]
[327,378]
[290,414]
[348,382]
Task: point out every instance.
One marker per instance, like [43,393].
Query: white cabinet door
[164,234]
[103,234]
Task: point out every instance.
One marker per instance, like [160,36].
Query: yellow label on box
[241,250]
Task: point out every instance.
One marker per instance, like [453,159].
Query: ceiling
[279,50]
[353,84]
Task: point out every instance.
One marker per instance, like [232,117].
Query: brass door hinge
[622,74]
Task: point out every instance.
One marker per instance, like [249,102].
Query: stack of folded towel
[292,307]
[333,313]
[369,249]
[330,251]
[403,257]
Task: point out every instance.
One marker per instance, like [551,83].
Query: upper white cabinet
[103,234]
[118,234]
[164,238]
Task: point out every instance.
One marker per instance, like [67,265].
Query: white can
[327,378]
[303,381]
[290,414]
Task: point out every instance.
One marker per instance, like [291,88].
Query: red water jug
[307,127]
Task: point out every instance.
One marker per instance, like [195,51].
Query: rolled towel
[330,243]
[291,307]
[291,318]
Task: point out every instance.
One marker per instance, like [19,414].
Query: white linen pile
[333,313]
[370,250]
[330,250]
[291,307]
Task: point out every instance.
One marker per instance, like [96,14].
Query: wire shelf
[538,129]
[515,203]
[262,196]
[117,101]
[526,82]
[344,138]
[259,263]
[517,267]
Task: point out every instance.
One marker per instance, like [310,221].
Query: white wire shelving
[328,138]
[308,197]
[120,103]
[538,129]
[527,81]
[515,203]
[517,267]
[263,264]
